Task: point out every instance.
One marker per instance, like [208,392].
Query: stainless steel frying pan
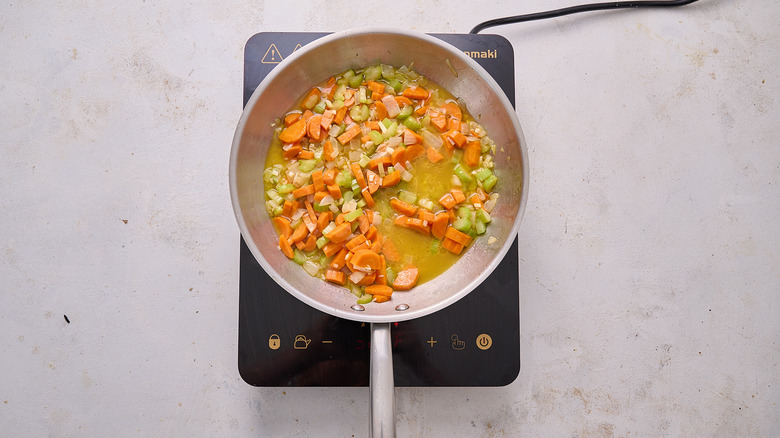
[443,64]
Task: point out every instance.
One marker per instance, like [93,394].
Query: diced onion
[431,140]
[298,213]
[393,142]
[326,200]
[356,276]
[311,268]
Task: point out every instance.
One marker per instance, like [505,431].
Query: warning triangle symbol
[272,55]
[296,48]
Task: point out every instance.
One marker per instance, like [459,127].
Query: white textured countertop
[649,253]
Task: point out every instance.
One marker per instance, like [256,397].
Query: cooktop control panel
[284,342]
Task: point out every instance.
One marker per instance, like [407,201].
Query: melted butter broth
[430,181]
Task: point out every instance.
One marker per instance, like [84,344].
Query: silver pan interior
[355,49]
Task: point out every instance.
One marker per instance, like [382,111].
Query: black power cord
[576,9]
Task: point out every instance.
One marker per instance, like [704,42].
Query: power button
[484,341]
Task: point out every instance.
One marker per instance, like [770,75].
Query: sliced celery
[376,137]
[405,112]
[320,107]
[363,162]
[298,257]
[352,215]
[391,131]
[426,203]
[480,227]
[435,245]
[489,183]
[396,84]
[483,216]
[356,80]
[306,165]
[283,189]
[373,72]
[365,298]
[407,196]
[388,71]
[322,241]
[462,224]
[464,212]
[412,123]
[390,275]
[463,176]
[482,173]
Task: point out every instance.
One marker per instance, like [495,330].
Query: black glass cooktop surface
[284,342]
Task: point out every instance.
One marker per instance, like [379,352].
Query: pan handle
[381,421]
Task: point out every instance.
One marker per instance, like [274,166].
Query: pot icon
[301,342]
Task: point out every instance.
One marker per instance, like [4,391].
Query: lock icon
[274,342]
[301,342]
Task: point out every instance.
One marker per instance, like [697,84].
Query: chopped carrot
[457,138]
[355,242]
[376,246]
[314,128]
[377,96]
[458,236]
[373,180]
[340,114]
[453,110]
[307,115]
[368,198]
[411,137]
[452,246]
[309,209]
[371,232]
[329,176]
[406,279]
[472,153]
[337,277]
[401,220]
[349,134]
[418,93]
[403,100]
[299,233]
[339,219]
[426,215]
[372,125]
[292,151]
[389,250]
[358,172]
[340,233]
[448,201]
[454,124]
[334,191]
[285,246]
[379,289]
[458,195]
[289,208]
[304,191]
[310,243]
[363,224]
[418,225]
[291,118]
[413,151]
[384,160]
[331,248]
[327,119]
[381,299]
[376,87]
[439,225]
[398,155]
[294,132]
[324,219]
[305,155]
[381,273]
[434,156]
[339,260]
[391,179]
[318,180]
[403,207]
[282,225]
[365,259]
[439,120]
[328,151]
